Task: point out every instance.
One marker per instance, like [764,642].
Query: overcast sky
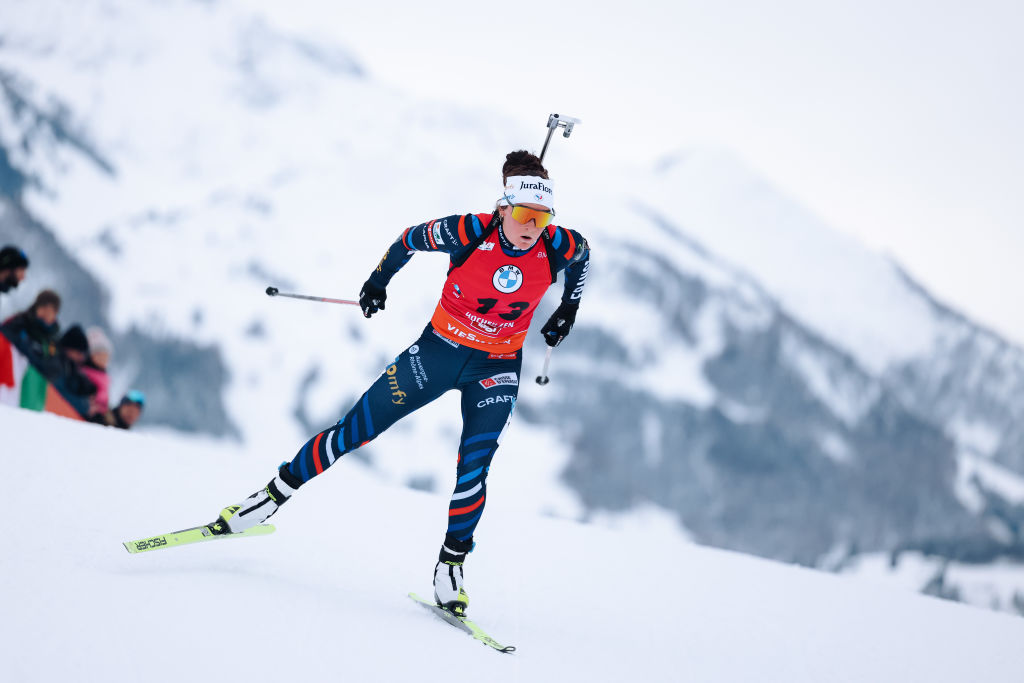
[899,122]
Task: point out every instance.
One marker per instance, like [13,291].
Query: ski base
[196,534]
[463,624]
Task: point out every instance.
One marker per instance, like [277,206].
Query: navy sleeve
[451,235]
[572,254]
[575,279]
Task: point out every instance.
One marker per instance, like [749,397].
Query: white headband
[528,189]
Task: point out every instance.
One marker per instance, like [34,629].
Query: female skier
[501,265]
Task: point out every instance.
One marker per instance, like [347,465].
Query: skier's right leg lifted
[383,404]
[258,507]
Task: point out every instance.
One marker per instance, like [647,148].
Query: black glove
[558,325]
[372,298]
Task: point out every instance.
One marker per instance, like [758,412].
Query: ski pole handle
[273,291]
[554,123]
[543,378]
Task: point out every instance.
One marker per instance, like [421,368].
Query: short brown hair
[47,297]
[522,162]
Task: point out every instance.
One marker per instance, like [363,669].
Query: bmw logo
[507,279]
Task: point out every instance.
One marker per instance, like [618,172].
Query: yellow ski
[196,534]
[463,624]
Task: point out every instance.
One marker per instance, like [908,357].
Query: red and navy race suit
[473,343]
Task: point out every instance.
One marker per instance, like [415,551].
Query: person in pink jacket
[95,368]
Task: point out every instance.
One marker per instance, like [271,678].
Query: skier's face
[521,235]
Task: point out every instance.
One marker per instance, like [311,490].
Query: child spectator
[127,412]
[95,368]
[73,350]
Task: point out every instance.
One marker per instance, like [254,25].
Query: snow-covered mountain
[323,598]
[737,367]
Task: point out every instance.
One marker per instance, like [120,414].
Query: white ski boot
[448,590]
[258,507]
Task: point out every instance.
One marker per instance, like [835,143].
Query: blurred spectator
[127,412]
[73,350]
[34,331]
[13,264]
[95,369]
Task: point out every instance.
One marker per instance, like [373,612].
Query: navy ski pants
[433,365]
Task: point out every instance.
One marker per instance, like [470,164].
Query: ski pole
[543,378]
[554,123]
[273,291]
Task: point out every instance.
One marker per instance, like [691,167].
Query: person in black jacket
[34,331]
[73,352]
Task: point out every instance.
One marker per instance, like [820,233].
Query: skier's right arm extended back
[451,235]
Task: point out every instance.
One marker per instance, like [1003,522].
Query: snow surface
[324,597]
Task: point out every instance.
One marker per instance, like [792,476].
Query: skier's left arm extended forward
[452,235]
[572,253]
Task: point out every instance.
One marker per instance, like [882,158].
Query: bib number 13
[516,308]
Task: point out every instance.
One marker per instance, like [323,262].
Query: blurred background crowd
[42,368]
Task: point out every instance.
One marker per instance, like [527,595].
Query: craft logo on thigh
[504,379]
[492,400]
[398,396]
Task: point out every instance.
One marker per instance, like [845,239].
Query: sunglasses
[523,214]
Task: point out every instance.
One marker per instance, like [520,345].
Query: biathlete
[501,265]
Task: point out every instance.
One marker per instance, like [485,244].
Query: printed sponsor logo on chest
[506,379]
[507,279]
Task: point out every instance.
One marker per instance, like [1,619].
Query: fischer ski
[463,624]
[196,534]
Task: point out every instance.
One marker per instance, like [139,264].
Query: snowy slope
[323,598]
[187,180]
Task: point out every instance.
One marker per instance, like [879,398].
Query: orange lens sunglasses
[523,214]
